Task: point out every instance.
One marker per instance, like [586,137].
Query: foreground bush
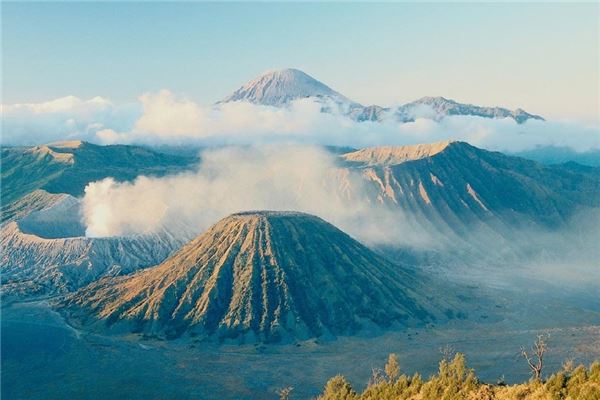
[455,381]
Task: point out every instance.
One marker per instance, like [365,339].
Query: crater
[62,220]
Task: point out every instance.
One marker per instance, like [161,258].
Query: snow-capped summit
[280,87]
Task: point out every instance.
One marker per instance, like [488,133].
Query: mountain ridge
[67,167]
[281,87]
[390,155]
[442,106]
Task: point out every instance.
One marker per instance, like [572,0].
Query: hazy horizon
[539,57]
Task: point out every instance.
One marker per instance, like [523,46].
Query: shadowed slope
[67,167]
[454,183]
[35,201]
[261,275]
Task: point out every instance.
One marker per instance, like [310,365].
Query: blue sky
[541,57]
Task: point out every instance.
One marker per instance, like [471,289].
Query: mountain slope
[67,167]
[260,276]
[459,193]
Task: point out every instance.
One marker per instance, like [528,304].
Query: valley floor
[43,358]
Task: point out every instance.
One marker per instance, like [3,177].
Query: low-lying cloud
[66,118]
[164,118]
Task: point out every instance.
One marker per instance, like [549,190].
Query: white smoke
[288,177]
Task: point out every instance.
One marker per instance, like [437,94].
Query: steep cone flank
[260,275]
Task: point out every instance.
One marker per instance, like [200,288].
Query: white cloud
[65,118]
[163,117]
[63,104]
[168,117]
[108,136]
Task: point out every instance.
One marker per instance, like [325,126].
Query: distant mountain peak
[285,73]
[433,99]
[281,86]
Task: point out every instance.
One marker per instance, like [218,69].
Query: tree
[392,369]
[338,388]
[448,352]
[535,359]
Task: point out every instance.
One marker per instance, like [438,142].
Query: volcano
[45,251]
[280,87]
[265,276]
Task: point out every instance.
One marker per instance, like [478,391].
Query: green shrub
[338,388]
[455,381]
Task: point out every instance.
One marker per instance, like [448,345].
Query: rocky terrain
[45,252]
[266,276]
